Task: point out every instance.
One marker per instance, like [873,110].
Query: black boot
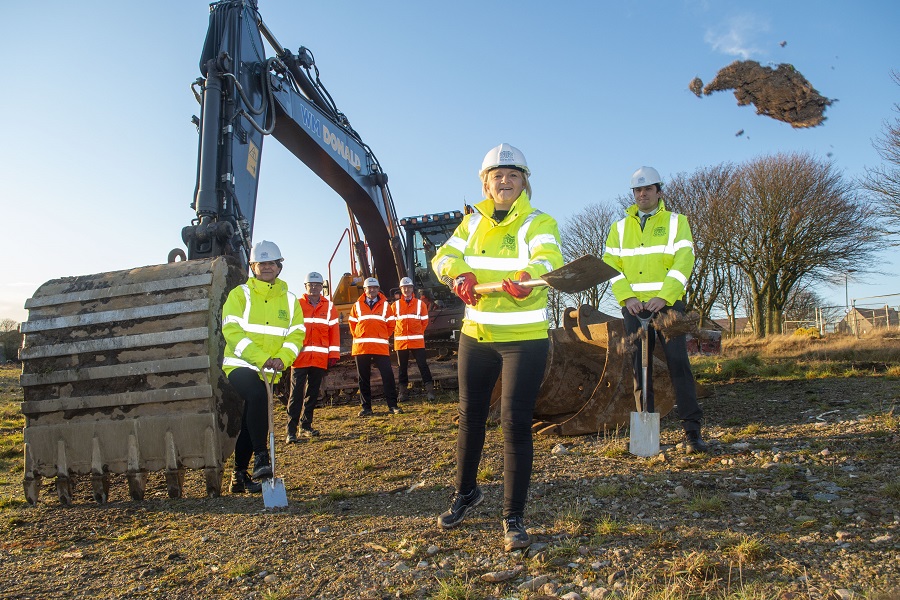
[460,505]
[262,466]
[291,437]
[694,444]
[241,482]
[514,534]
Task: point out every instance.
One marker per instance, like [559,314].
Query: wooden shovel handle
[497,286]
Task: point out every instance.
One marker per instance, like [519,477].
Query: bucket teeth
[65,488]
[99,478]
[174,474]
[137,484]
[213,477]
[174,482]
[100,485]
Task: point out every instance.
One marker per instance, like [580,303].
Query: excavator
[122,370]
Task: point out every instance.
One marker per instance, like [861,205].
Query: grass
[706,504]
[456,589]
[749,549]
[751,429]
[607,525]
[892,490]
[571,519]
[240,569]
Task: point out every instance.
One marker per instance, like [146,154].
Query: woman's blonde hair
[487,192]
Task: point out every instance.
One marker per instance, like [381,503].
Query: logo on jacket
[509,242]
[659,231]
[283,314]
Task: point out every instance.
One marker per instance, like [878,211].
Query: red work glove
[464,287]
[332,362]
[514,289]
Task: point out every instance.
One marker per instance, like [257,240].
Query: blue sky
[100,156]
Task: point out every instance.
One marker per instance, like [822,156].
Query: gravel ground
[798,498]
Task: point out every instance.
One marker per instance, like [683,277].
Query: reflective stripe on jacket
[371,327]
[259,322]
[411,321]
[526,240]
[323,336]
[655,262]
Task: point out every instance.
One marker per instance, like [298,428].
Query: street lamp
[846,294]
[847,297]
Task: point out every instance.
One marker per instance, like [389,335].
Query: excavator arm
[245,97]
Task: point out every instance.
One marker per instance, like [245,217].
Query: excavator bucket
[588,385]
[122,374]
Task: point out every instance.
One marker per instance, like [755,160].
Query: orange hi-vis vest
[371,327]
[412,319]
[323,335]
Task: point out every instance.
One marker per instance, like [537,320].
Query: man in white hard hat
[411,315]
[371,324]
[321,351]
[263,333]
[653,281]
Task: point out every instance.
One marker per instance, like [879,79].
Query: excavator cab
[424,235]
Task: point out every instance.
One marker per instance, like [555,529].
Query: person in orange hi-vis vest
[321,350]
[411,316]
[372,324]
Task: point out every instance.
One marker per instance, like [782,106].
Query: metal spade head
[580,274]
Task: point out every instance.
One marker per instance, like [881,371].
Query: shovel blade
[580,274]
[643,435]
[274,493]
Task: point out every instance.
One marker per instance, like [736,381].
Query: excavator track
[122,374]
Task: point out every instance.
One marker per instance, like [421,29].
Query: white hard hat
[264,252]
[371,282]
[313,277]
[406,281]
[504,155]
[645,176]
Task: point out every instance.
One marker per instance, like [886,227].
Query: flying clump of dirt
[782,93]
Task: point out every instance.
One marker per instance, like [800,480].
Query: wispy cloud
[737,35]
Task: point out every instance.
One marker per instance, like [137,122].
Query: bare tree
[10,339]
[884,181]
[733,296]
[696,196]
[791,217]
[585,233]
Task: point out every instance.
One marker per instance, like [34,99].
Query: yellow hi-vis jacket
[526,240]
[259,322]
[655,262]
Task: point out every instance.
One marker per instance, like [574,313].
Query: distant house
[741,325]
[864,320]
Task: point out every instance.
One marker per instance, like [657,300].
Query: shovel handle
[497,286]
[269,381]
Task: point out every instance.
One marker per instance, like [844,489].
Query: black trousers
[255,424]
[305,385]
[675,349]
[480,364]
[403,364]
[364,364]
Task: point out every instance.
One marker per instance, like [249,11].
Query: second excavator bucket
[122,374]
[588,385]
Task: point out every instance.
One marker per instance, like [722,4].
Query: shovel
[644,430]
[274,494]
[577,276]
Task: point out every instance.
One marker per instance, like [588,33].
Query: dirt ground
[799,498]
